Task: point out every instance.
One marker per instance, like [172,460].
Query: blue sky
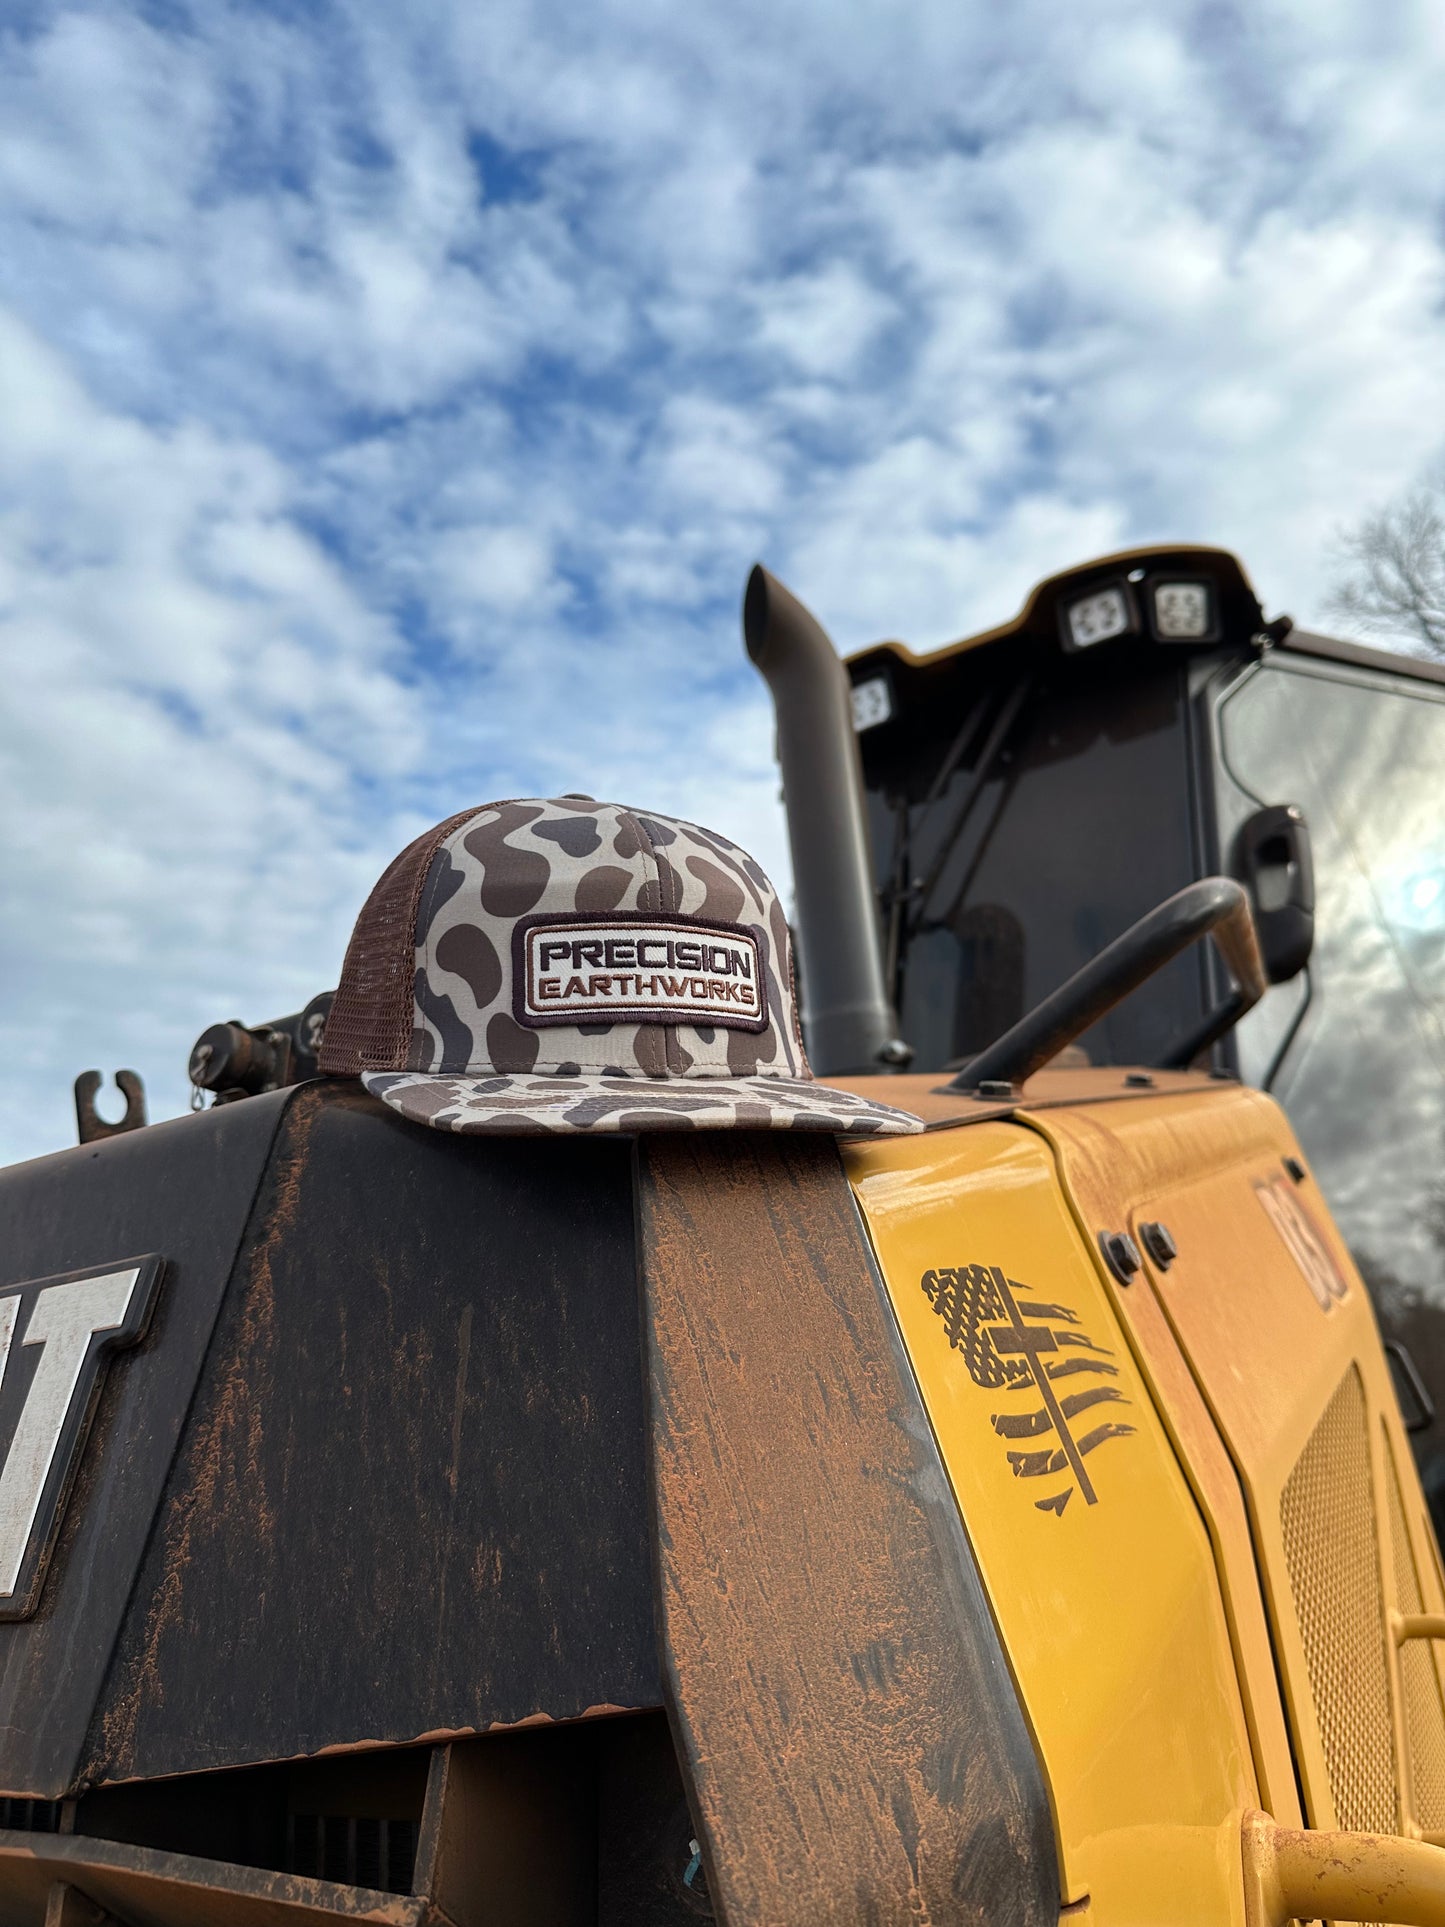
[392,401]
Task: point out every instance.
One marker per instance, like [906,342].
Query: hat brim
[532,1105]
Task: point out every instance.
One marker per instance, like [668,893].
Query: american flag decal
[1013,1343]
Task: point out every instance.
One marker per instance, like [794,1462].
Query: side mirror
[1272,860]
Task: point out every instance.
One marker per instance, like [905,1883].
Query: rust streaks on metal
[827,1652]
[176,1890]
[242,1401]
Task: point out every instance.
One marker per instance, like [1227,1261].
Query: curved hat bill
[538,1105]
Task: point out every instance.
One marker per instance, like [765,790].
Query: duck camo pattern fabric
[581,966]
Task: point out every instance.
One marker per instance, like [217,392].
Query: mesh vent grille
[1327,1516]
[1424,1714]
[30,1816]
[369,1025]
[356,1851]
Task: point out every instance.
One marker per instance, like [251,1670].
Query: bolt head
[1121,1255]
[1158,1241]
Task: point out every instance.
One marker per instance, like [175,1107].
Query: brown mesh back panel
[1424,1714]
[1327,1515]
[369,1028]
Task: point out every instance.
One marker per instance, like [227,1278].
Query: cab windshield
[1032,852]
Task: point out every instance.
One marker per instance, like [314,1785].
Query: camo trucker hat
[567,965]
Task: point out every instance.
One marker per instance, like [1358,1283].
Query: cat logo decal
[56,1339]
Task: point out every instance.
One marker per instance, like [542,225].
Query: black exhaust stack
[849,1020]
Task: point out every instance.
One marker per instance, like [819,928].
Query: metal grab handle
[1294,1874]
[1215,906]
[1408,1626]
[1405,1627]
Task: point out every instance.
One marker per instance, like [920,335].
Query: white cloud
[192,695]
[390,409]
[484,571]
[823,321]
[110,125]
[713,459]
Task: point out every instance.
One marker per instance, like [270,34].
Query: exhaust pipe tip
[763,599]
[782,633]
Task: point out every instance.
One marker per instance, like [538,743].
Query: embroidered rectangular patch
[639,970]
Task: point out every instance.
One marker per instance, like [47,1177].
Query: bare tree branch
[1392,571]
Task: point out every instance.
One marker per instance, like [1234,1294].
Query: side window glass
[1364,1078]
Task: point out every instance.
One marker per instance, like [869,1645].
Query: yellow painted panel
[1192,1136]
[1093,1552]
[1264,1301]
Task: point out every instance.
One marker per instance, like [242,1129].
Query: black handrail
[1214,906]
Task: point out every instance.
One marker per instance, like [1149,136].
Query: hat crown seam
[671,1049]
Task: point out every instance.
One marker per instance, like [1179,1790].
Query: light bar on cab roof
[1169,607]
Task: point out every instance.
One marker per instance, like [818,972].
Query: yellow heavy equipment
[528,1455]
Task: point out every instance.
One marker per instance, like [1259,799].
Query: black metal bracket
[1272,859]
[1408,1372]
[1215,906]
[236,1060]
[89,1124]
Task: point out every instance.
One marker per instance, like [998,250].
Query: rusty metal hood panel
[183,1191]
[375,1471]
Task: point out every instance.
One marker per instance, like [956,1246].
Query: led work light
[872,703]
[1103,612]
[1182,609]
